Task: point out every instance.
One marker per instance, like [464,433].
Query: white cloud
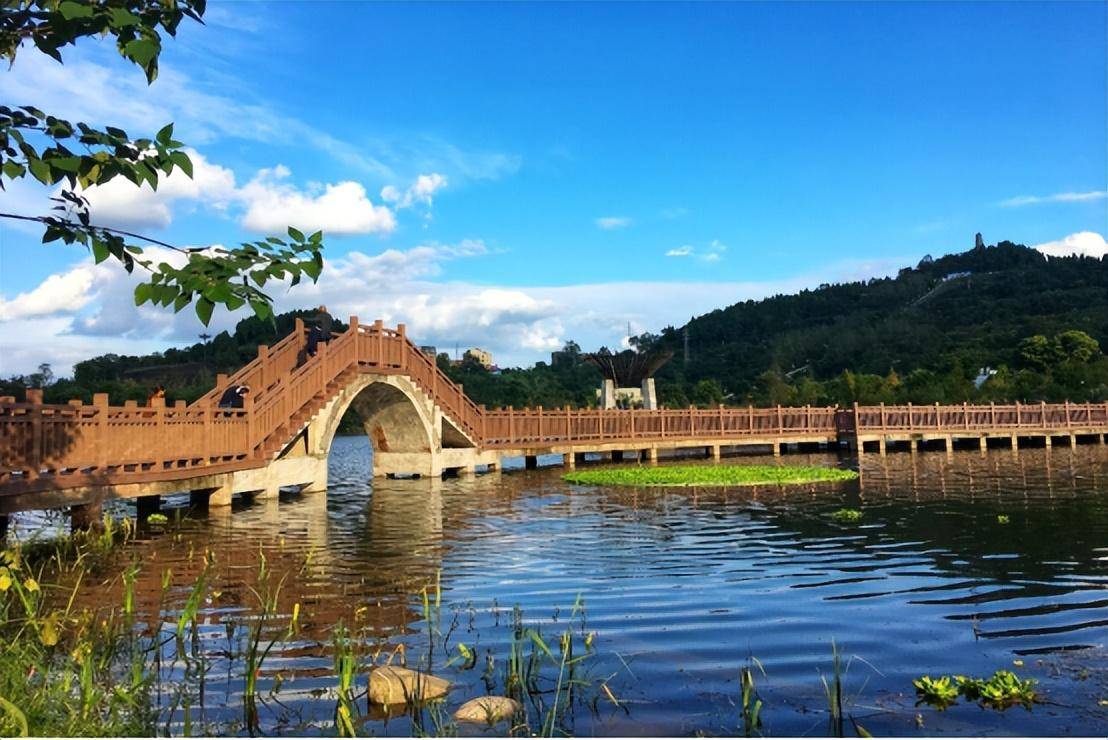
[1082,244]
[120,204]
[342,208]
[88,309]
[711,253]
[1031,200]
[611,223]
[420,191]
[62,293]
[267,204]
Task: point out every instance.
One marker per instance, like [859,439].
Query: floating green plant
[846,515]
[1002,519]
[708,475]
[1000,691]
[940,692]
[157,519]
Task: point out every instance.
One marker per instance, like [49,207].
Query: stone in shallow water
[487,709]
[395,685]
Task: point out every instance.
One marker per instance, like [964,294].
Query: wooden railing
[980,417]
[45,446]
[507,428]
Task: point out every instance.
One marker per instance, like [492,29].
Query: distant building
[430,350]
[479,355]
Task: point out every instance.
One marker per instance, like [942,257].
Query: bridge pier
[569,460]
[147,505]
[530,462]
[85,516]
[211,498]
[650,454]
[617,456]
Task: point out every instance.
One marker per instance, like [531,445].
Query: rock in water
[395,685]
[487,709]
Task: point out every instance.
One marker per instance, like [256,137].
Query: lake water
[683,587]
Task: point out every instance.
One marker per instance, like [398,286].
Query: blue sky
[556,171]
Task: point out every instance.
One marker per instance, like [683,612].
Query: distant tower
[979,243]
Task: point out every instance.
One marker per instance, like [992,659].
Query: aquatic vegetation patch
[1002,519]
[708,475]
[846,515]
[940,692]
[1001,690]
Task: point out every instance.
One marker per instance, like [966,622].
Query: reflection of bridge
[419,422]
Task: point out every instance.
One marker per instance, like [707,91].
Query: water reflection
[683,586]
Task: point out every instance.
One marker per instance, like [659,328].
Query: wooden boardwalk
[112,450]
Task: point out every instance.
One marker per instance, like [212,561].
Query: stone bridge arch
[408,432]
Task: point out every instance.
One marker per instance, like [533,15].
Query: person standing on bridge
[320,330]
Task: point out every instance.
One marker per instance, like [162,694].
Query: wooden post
[911,422]
[992,414]
[807,418]
[511,425]
[1042,414]
[692,421]
[402,330]
[1018,422]
[100,401]
[539,409]
[750,418]
[159,425]
[721,432]
[938,417]
[780,424]
[1067,407]
[882,417]
[379,328]
[263,356]
[632,423]
[965,414]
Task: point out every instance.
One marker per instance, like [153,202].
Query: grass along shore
[709,475]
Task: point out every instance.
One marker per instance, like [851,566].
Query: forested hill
[949,316]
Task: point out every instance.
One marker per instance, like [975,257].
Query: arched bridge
[420,423]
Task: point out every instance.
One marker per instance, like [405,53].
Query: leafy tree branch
[76,156]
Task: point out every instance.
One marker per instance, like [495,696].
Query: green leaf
[182,161]
[142,293]
[144,52]
[40,170]
[70,10]
[296,234]
[165,135]
[99,251]
[204,309]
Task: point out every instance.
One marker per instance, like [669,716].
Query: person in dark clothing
[320,331]
[227,400]
[234,397]
[323,320]
[314,335]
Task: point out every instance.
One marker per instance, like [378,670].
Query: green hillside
[927,333]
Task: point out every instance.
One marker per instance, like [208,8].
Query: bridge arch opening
[394,416]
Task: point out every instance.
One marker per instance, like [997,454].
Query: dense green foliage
[77,156]
[923,336]
[1025,327]
[708,475]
